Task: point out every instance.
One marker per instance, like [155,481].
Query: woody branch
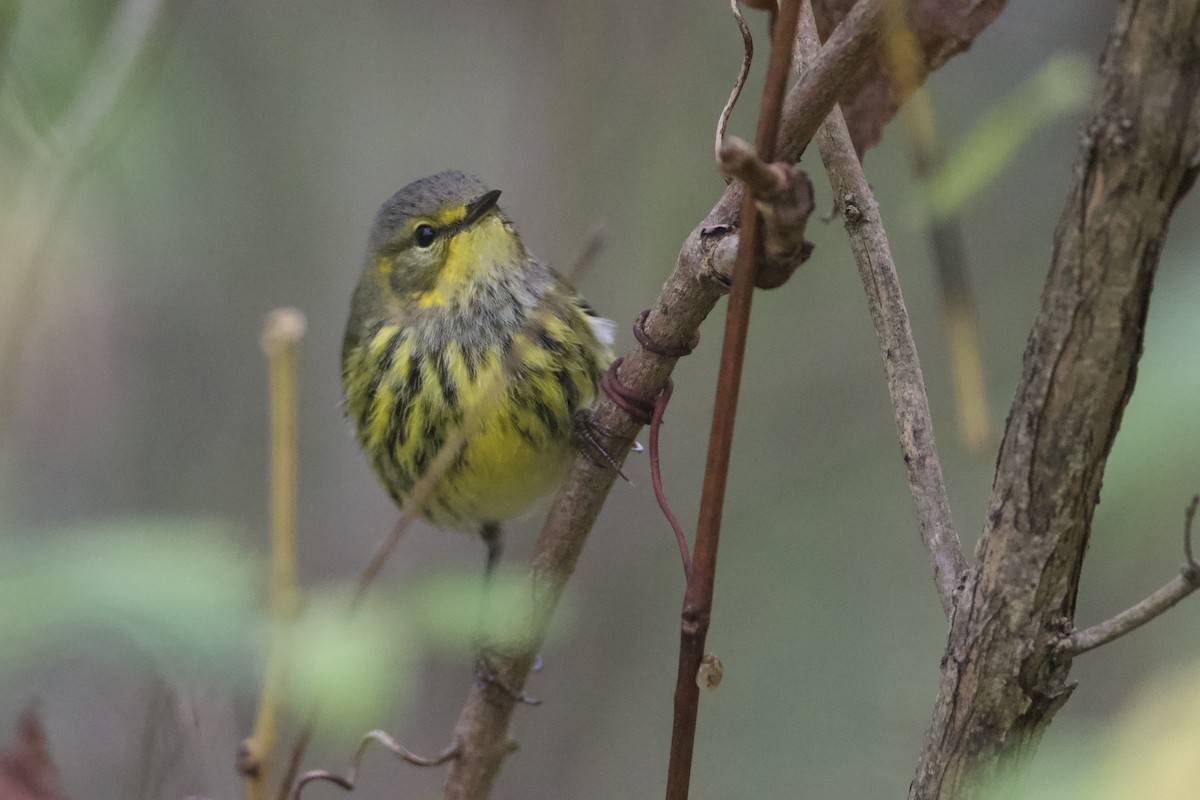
[699,280]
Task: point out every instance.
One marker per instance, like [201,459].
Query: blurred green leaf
[184,595]
[181,591]
[1059,88]
[451,610]
[49,47]
[9,10]
[1149,447]
[351,666]
[355,666]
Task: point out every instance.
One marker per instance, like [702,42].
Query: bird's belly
[498,474]
[507,420]
[511,438]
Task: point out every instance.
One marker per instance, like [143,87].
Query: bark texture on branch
[1002,676]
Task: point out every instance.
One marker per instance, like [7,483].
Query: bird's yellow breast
[514,406]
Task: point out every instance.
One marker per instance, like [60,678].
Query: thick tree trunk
[1002,676]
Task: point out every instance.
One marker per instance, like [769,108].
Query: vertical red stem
[697,603]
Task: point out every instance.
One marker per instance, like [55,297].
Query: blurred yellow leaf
[1060,87]
[1152,752]
[1155,749]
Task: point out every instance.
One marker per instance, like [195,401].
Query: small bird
[454,323]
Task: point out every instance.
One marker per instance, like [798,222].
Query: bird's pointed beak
[479,207]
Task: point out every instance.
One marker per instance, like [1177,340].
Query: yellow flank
[521,443]
[382,340]
[466,330]
[503,471]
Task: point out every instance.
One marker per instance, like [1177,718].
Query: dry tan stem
[280,341]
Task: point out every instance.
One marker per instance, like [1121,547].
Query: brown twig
[442,461]
[813,96]
[697,601]
[409,512]
[27,769]
[1189,516]
[906,386]
[1135,617]
[660,406]
[295,758]
[592,248]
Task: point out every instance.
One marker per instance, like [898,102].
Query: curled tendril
[348,779]
[747,58]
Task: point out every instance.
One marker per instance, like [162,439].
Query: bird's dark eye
[424,235]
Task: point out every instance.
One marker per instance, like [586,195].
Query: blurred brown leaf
[27,772]
[943,28]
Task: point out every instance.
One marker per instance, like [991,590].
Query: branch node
[738,160]
[851,213]
[783,195]
[716,269]
[659,348]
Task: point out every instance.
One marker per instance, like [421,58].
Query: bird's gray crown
[424,197]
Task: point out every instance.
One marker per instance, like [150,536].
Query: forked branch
[699,280]
[1003,674]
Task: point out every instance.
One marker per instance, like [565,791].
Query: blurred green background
[240,171]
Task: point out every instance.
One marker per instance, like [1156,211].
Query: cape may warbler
[455,326]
